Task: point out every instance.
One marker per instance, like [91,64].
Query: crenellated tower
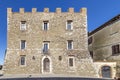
[48,43]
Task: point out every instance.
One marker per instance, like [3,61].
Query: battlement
[46,10]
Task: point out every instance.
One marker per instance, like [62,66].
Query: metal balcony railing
[46,51]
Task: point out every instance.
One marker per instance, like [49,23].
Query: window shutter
[118,49]
[113,50]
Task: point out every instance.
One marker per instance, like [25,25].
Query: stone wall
[112,66]
[102,43]
[57,35]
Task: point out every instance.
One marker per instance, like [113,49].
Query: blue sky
[99,11]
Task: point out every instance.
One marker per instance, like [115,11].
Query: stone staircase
[55,78]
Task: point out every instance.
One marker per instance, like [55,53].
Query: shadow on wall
[1,72]
[0,67]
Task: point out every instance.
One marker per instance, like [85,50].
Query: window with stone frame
[46,46]
[23,25]
[22,60]
[23,44]
[71,62]
[69,25]
[70,44]
[46,65]
[115,49]
[45,25]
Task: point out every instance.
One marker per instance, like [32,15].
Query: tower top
[46,10]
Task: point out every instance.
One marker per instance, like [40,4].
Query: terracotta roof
[111,21]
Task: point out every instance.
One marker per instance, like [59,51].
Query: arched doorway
[46,65]
[106,72]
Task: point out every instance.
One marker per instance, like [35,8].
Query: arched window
[106,72]
[46,65]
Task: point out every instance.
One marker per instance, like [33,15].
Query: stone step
[56,78]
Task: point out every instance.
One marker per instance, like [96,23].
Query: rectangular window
[22,60]
[45,25]
[115,49]
[71,62]
[69,25]
[70,45]
[23,25]
[23,44]
[46,47]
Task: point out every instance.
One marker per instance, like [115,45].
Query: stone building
[48,43]
[104,43]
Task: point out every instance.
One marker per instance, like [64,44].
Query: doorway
[46,65]
[106,72]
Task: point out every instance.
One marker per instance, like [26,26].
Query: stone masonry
[104,38]
[57,36]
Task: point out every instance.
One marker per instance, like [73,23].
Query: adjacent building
[104,43]
[48,43]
